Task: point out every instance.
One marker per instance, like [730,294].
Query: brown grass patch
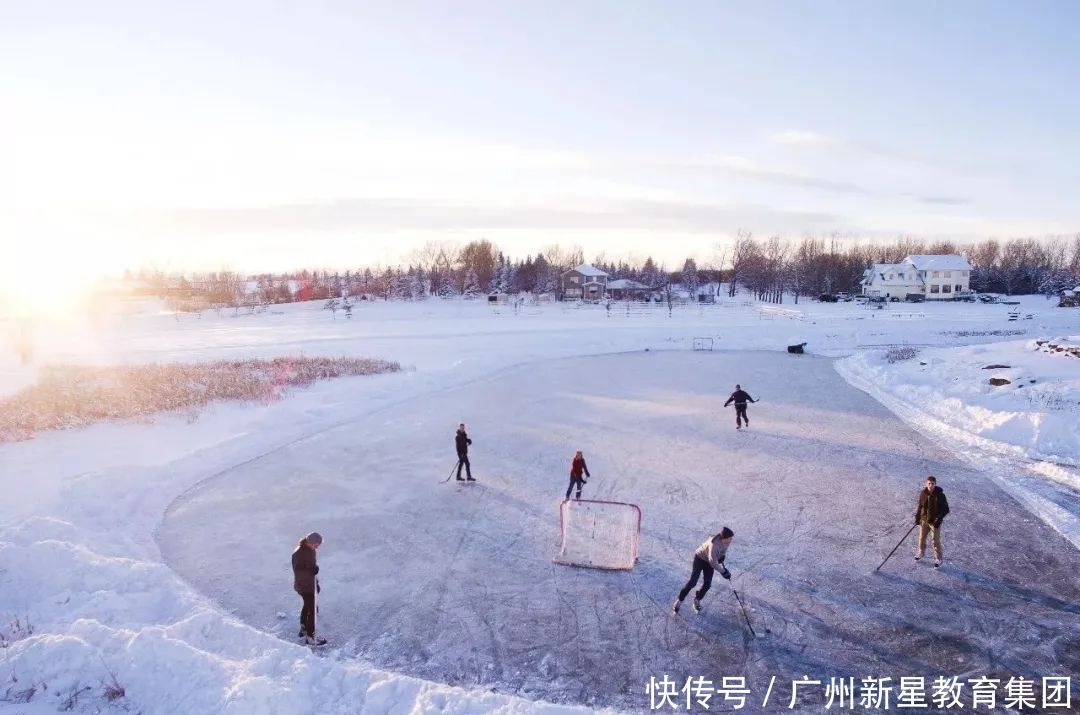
[68,396]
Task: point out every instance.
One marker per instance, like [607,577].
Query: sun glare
[51,292]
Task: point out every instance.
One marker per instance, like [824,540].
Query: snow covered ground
[158,552]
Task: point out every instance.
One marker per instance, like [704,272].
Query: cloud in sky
[804,139]
[944,200]
[567,213]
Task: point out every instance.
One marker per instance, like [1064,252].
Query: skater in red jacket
[577,466]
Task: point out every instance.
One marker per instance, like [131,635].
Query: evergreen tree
[690,276]
[472,284]
[446,286]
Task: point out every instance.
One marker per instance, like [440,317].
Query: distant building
[941,277]
[583,283]
[1070,298]
[626,289]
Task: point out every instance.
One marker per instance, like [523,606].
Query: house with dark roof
[584,282]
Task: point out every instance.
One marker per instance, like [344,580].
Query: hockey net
[599,534]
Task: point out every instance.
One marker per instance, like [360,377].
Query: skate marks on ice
[457,584]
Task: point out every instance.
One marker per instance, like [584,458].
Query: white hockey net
[599,534]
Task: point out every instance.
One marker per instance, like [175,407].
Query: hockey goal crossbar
[598,534]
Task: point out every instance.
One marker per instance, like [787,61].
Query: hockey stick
[739,599]
[451,472]
[897,546]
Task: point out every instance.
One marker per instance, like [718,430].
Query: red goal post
[598,534]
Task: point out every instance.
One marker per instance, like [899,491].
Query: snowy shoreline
[78,553]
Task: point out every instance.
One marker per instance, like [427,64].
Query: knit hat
[726,533]
[314,538]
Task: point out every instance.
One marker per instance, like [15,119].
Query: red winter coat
[577,466]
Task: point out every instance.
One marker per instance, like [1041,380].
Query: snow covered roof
[586,270]
[945,262]
[624,284]
[880,274]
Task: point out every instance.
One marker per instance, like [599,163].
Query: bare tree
[741,253]
[478,260]
[563,259]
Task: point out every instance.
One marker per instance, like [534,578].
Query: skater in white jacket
[708,558]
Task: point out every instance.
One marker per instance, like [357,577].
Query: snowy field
[158,552]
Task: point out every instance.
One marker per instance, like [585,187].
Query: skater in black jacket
[740,398]
[462,442]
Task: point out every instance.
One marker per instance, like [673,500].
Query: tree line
[772,268]
[769,268]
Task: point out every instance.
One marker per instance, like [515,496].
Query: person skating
[577,466]
[740,398]
[708,558]
[462,442]
[306,583]
[931,508]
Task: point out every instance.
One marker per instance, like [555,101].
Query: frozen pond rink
[456,584]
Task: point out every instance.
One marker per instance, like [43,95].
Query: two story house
[934,277]
[583,283]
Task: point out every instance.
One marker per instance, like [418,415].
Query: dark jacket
[932,508]
[577,466]
[304,568]
[462,442]
[739,397]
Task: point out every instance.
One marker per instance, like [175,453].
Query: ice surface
[820,487]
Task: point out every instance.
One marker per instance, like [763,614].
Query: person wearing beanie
[577,466]
[306,583]
[930,510]
[740,398]
[462,442]
[709,557]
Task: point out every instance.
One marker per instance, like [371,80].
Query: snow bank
[1037,412]
[1024,430]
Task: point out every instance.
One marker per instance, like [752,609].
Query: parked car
[988,298]
[846,297]
[827,298]
[876,299]
[915,298]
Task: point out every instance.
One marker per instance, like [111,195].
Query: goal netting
[599,534]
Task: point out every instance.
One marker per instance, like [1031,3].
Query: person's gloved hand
[937,524]
[916,521]
[316,571]
[318,588]
[725,573]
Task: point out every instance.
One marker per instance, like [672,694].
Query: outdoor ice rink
[456,583]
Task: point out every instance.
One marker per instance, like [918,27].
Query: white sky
[272,135]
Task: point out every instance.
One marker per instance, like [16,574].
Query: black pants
[740,415]
[307,613]
[463,461]
[575,480]
[700,567]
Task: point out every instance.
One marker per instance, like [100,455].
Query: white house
[933,277]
